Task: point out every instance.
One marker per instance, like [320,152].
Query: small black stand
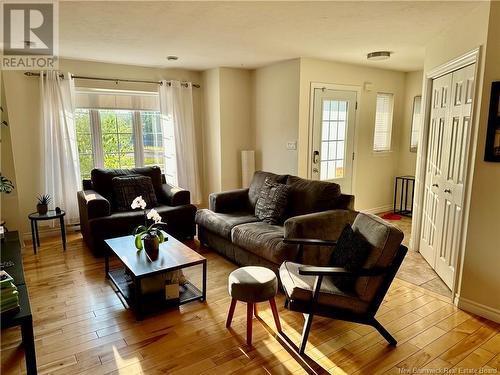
[50,215]
[407,184]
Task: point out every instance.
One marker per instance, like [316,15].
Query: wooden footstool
[253,285]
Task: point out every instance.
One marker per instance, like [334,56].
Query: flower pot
[42,208]
[151,246]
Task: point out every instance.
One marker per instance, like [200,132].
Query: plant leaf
[140,228]
[160,236]
[138,242]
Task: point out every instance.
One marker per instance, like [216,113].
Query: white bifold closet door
[447,158]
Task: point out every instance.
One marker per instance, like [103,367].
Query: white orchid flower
[138,203]
[154,215]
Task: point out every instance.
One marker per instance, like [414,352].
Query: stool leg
[276,317]
[230,313]
[249,322]
[255,312]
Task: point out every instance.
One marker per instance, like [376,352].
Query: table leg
[33,236]
[37,234]
[29,346]
[63,231]
[204,291]
[106,263]
[395,194]
[138,299]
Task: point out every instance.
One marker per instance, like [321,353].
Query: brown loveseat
[99,219]
[315,210]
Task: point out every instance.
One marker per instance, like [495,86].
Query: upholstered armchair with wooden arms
[311,290]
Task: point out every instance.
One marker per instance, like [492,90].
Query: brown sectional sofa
[316,210]
[99,219]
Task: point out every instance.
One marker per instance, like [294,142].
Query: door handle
[447,191]
[315,157]
[435,185]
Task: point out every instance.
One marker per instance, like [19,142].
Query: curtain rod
[33,74]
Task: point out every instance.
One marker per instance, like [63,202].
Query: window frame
[388,146]
[96,137]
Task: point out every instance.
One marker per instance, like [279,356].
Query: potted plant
[43,203]
[6,185]
[152,236]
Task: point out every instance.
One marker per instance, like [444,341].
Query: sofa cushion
[102,180]
[127,188]
[222,223]
[258,182]
[264,240]
[384,239]
[299,288]
[350,253]
[307,196]
[272,202]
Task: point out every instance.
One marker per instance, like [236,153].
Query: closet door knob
[447,191]
[435,185]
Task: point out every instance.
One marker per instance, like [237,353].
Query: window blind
[383,122]
[116,99]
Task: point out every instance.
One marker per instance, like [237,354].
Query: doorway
[333,123]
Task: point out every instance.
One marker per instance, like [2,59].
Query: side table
[50,215]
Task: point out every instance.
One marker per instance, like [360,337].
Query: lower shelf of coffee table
[151,301]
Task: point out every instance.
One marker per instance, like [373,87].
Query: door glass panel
[333,135]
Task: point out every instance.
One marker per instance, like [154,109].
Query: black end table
[12,263]
[50,215]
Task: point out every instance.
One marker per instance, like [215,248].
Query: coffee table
[136,266]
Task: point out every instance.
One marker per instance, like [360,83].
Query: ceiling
[252,34]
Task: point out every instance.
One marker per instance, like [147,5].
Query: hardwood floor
[81,327]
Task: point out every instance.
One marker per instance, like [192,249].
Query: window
[383,122]
[415,123]
[333,135]
[117,129]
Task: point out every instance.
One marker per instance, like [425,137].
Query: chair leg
[230,313]
[391,340]
[305,333]
[276,317]
[249,322]
[255,312]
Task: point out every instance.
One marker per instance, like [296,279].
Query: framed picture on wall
[492,151]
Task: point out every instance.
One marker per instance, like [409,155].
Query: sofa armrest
[92,204]
[229,201]
[174,195]
[345,202]
[326,225]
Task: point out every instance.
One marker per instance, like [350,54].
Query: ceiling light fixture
[172,58]
[378,55]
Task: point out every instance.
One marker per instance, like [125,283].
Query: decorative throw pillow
[351,252]
[272,202]
[127,188]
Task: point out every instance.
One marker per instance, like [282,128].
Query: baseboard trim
[478,309]
[378,210]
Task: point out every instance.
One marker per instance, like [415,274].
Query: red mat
[391,216]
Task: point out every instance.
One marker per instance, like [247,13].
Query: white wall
[22,99]
[211,133]
[481,279]
[407,159]
[227,126]
[374,173]
[237,131]
[276,116]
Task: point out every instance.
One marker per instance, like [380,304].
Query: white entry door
[333,136]
[449,137]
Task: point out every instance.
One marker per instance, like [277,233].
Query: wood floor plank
[82,327]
